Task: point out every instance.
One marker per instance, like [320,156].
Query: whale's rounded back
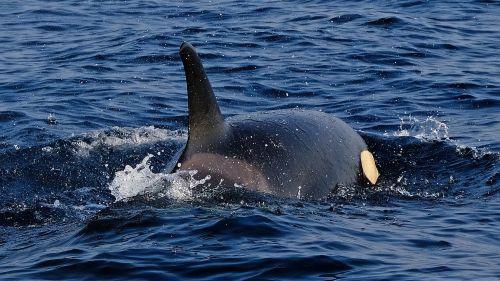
[291,153]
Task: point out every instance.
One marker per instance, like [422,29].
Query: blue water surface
[93,97]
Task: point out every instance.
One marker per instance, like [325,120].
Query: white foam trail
[429,128]
[432,129]
[141,180]
[132,181]
[128,136]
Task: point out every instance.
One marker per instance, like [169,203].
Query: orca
[287,153]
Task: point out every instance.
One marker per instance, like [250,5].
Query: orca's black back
[295,149]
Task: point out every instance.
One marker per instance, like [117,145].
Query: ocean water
[93,108]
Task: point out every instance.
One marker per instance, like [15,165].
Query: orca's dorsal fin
[205,118]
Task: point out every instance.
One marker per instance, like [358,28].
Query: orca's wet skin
[290,153]
[94,116]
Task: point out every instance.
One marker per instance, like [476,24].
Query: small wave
[416,54]
[51,28]
[476,153]
[387,74]
[293,267]
[428,129]
[97,68]
[243,44]
[101,57]
[126,136]
[385,58]
[142,181]
[207,56]
[55,12]
[268,91]
[428,243]
[459,85]
[34,43]
[68,179]
[485,103]
[156,37]
[344,18]
[434,46]
[153,59]
[190,14]
[43,209]
[250,226]
[111,220]
[51,119]
[273,37]
[465,97]
[386,21]
[265,9]
[432,129]
[241,68]
[424,163]
[6,116]
[413,3]
[194,30]
[449,46]
[306,18]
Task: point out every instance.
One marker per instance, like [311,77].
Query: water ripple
[88,89]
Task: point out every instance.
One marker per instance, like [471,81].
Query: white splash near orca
[283,152]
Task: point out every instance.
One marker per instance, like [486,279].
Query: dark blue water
[93,108]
